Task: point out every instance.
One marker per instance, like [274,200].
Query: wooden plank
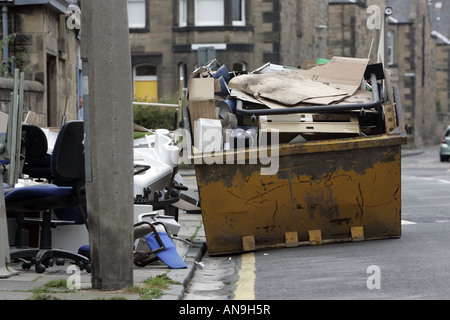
[312,127]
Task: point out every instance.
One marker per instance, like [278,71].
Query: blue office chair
[67,164]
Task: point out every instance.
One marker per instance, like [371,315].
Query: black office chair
[67,164]
[37,163]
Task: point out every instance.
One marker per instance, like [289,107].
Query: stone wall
[443,123]
[47,54]
[33,98]
[443,77]
[311,15]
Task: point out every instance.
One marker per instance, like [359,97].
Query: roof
[439,11]
[440,20]
[60,5]
[402,11]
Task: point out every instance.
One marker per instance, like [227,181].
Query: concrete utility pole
[108,117]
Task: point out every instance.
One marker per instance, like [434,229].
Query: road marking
[245,289]
[405,222]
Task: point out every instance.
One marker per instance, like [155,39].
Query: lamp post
[108,125]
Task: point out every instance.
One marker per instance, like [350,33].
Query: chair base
[43,258]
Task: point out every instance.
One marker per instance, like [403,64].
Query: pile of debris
[339,98]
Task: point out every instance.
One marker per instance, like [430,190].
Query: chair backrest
[68,152]
[36,144]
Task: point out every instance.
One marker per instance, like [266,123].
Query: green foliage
[438,105]
[6,68]
[55,285]
[153,287]
[152,117]
[156,117]
[44,291]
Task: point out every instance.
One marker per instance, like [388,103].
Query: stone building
[348,34]
[173,35]
[440,23]
[412,61]
[410,55]
[170,38]
[46,51]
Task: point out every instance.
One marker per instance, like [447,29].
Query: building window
[390,48]
[238,12]
[182,13]
[212,13]
[209,12]
[137,14]
[145,83]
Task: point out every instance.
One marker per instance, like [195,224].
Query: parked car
[444,151]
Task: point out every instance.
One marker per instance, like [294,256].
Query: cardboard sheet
[359,97]
[288,88]
[335,82]
[341,73]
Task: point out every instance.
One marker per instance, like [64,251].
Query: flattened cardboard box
[341,73]
[201,99]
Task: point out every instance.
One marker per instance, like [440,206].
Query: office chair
[67,163]
[37,160]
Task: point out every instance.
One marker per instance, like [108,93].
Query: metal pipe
[313,109]
[5,35]
[151,104]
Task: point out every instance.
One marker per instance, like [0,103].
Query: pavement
[29,285]
[406,151]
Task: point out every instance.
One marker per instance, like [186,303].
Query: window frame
[240,22]
[143,78]
[206,23]
[182,13]
[140,27]
[390,47]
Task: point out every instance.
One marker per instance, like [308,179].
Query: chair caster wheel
[40,268]
[60,261]
[26,265]
[48,263]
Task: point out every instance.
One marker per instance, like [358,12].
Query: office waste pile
[159,194]
[334,134]
[334,99]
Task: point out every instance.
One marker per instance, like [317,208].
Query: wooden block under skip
[248,243]
[315,237]
[291,239]
[357,233]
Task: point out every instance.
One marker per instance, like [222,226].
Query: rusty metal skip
[324,191]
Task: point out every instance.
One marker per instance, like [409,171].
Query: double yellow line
[245,289]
